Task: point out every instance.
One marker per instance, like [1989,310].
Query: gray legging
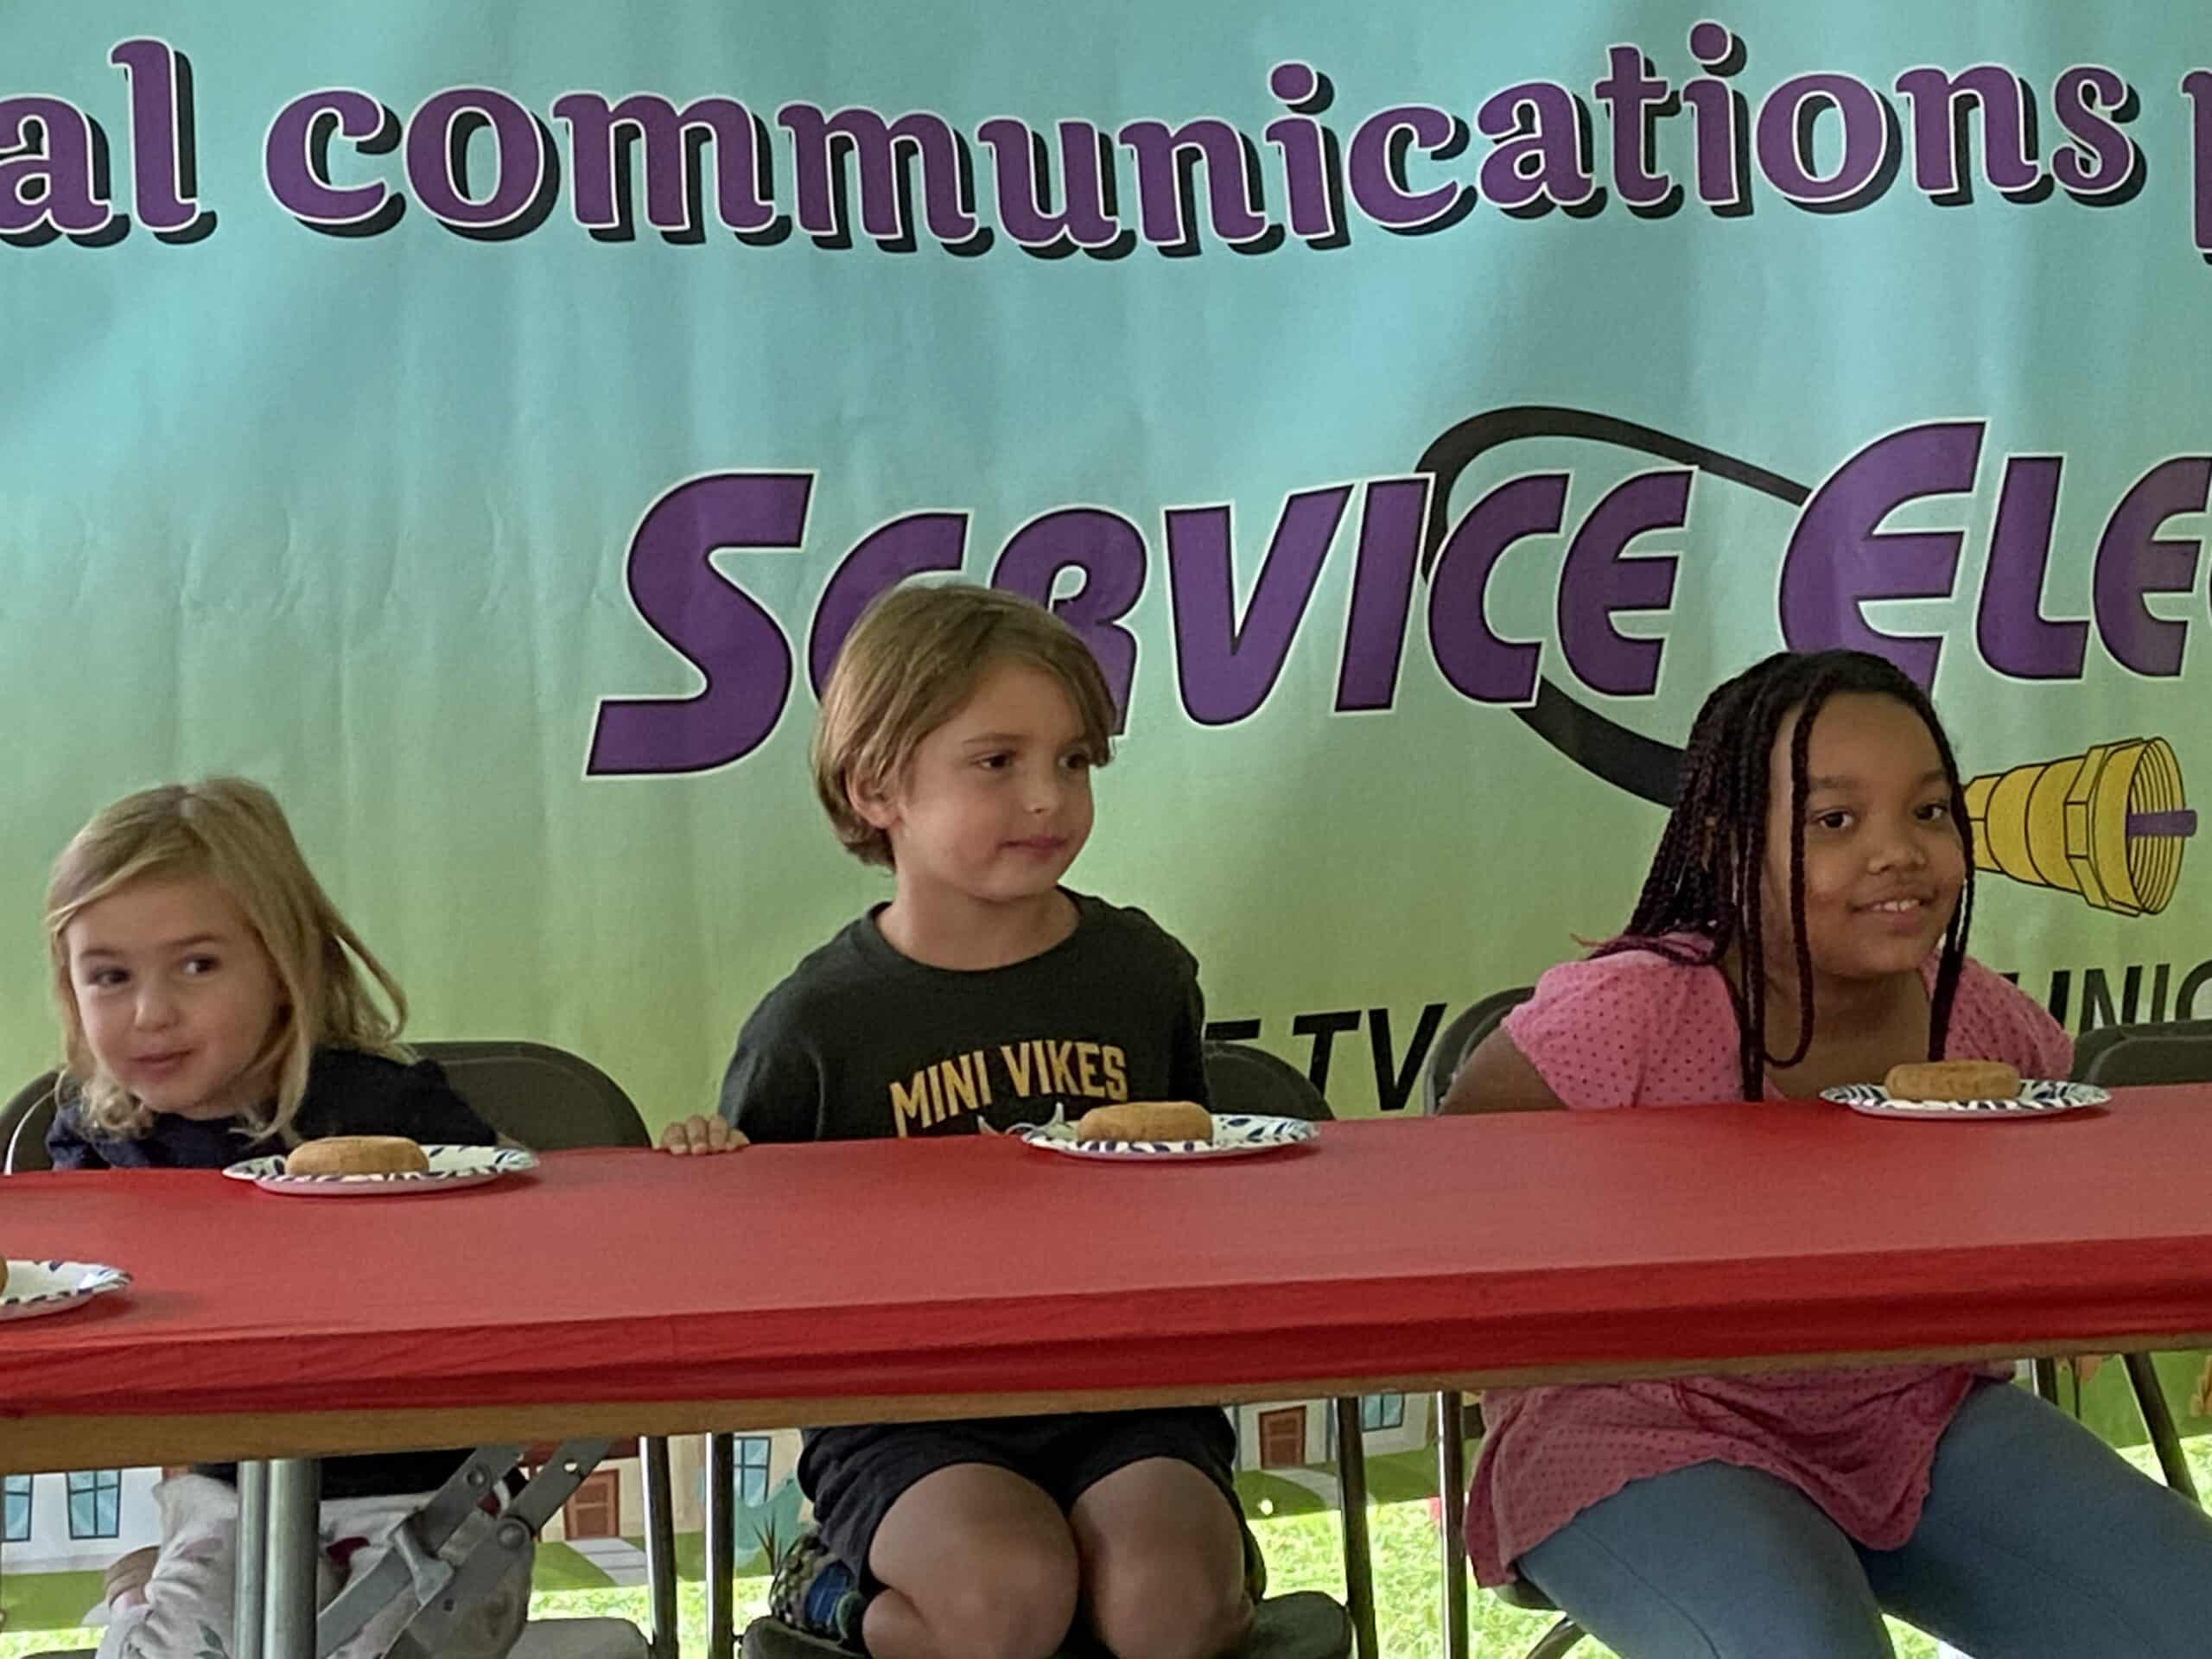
[2036,1542]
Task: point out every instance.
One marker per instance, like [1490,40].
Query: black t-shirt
[348,1092]
[861,1042]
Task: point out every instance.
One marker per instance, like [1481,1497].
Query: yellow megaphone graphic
[2109,824]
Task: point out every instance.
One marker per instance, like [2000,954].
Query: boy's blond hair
[233,833]
[913,657]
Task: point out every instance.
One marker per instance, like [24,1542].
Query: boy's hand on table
[688,1135]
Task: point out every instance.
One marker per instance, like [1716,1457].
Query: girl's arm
[1498,1077]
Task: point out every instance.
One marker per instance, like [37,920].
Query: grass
[39,1601]
[1304,1550]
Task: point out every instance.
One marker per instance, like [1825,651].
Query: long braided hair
[1705,879]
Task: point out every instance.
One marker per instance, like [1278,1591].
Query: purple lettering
[2132,561]
[724,127]
[295,160]
[1382,593]
[1478,664]
[1376,168]
[162,164]
[1939,131]
[1232,170]
[1718,118]
[883,151]
[1637,99]
[1786,121]
[1839,557]
[2015,637]
[879,560]
[1227,667]
[2197,84]
[1109,550]
[438,136]
[1600,581]
[713,624]
[50,185]
[1541,158]
[2101,161]
[1310,185]
[1025,180]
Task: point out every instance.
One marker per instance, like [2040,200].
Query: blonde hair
[232,833]
[914,657]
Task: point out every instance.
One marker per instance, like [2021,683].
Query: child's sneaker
[812,1591]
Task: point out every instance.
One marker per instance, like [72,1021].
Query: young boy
[958,733]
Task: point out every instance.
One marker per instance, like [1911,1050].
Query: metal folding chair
[23,1123]
[2143,1056]
[1460,1039]
[1459,1418]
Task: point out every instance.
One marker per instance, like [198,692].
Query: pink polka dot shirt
[1635,1030]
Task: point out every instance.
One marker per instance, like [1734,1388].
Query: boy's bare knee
[1175,1611]
[1018,1604]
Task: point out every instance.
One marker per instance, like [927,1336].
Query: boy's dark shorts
[856,1474]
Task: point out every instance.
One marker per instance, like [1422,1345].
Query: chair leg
[660,1546]
[721,1546]
[1560,1639]
[2158,1418]
[2046,1375]
[1351,1496]
[1452,1489]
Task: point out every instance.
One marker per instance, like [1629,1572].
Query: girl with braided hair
[1803,925]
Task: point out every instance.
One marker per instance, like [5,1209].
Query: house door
[1282,1438]
[596,1511]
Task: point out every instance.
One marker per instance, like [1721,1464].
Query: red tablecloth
[968,1266]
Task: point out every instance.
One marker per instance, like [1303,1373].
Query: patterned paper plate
[451,1168]
[36,1287]
[1236,1135]
[2034,1100]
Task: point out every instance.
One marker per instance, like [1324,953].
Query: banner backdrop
[481,423]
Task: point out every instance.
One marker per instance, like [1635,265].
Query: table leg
[253,1559]
[660,1544]
[294,1541]
[1452,1488]
[721,1546]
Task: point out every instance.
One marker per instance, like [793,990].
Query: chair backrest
[1242,1078]
[545,1097]
[2179,1050]
[23,1123]
[1461,1038]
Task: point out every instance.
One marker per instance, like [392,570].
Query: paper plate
[36,1287]
[451,1168]
[2034,1100]
[1236,1135]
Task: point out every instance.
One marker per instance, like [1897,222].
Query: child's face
[176,994]
[995,802]
[1884,862]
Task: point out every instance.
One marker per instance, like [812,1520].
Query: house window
[96,1504]
[1382,1411]
[753,1470]
[15,1510]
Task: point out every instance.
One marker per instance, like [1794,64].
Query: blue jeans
[2036,1541]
